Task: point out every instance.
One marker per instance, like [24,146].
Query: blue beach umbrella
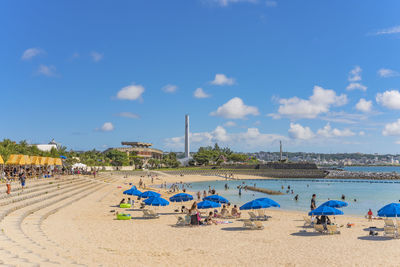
[269,201]
[216,198]
[255,204]
[325,210]
[156,201]
[390,210]
[149,194]
[133,187]
[132,192]
[181,197]
[206,204]
[63,157]
[335,204]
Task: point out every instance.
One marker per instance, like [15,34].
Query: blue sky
[321,76]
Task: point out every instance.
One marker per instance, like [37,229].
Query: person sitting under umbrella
[235,212]
[224,211]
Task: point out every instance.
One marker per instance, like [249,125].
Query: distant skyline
[321,76]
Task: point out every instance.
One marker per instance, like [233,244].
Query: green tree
[118,158]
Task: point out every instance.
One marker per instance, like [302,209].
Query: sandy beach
[86,232]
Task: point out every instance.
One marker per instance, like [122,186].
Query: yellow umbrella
[1,160]
[23,160]
[49,161]
[58,162]
[12,159]
[43,160]
[35,160]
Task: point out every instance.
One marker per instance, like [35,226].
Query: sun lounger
[261,214]
[390,223]
[149,214]
[319,228]
[391,231]
[253,217]
[256,225]
[307,221]
[332,229]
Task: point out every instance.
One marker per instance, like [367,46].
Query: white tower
[187,147]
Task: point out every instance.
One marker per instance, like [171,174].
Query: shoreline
[86,231]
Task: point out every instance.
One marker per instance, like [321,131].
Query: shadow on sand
[233,229]
[307,234]
[374,238]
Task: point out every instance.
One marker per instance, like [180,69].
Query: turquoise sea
[368,193]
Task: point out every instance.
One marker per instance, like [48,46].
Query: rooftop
[136,144]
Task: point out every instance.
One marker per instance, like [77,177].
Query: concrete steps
[22,214]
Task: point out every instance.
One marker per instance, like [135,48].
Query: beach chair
[391,231]
[252,225]
[390,223]
[253,217]
[332,229]
[319,228]
[307,221]
[149,214]
[262,215]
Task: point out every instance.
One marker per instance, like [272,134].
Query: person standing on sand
[313,206]
[193,214]
[370,215]
[198,195]
[8,184]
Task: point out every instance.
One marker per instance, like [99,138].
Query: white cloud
[344,117]
[320,102]
[31,53]
[391,30]
[389,99]
[296,131]
[107,127]
[328,132]
[230,124]
[46,70]
[354,79]
[361,133]
[364,105]
[129,115]
[221,79]
[170,88]
[356,86]
[392,128]
[249,139]
[225,3]
[131,92]
[355,74]
[235,109]
[96,56]
[199,93]
[387,73]
[271,3]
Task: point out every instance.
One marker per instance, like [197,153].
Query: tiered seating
[23,212]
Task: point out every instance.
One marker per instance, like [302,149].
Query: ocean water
[368,193]
[372,168]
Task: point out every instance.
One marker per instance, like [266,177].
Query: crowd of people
[196,217]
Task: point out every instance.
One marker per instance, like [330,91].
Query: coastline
[86,231]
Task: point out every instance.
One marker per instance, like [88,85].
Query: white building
[49,146]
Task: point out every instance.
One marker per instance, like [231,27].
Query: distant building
[143,150]
[49,146]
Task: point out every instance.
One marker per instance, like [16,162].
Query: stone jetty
[264,190]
